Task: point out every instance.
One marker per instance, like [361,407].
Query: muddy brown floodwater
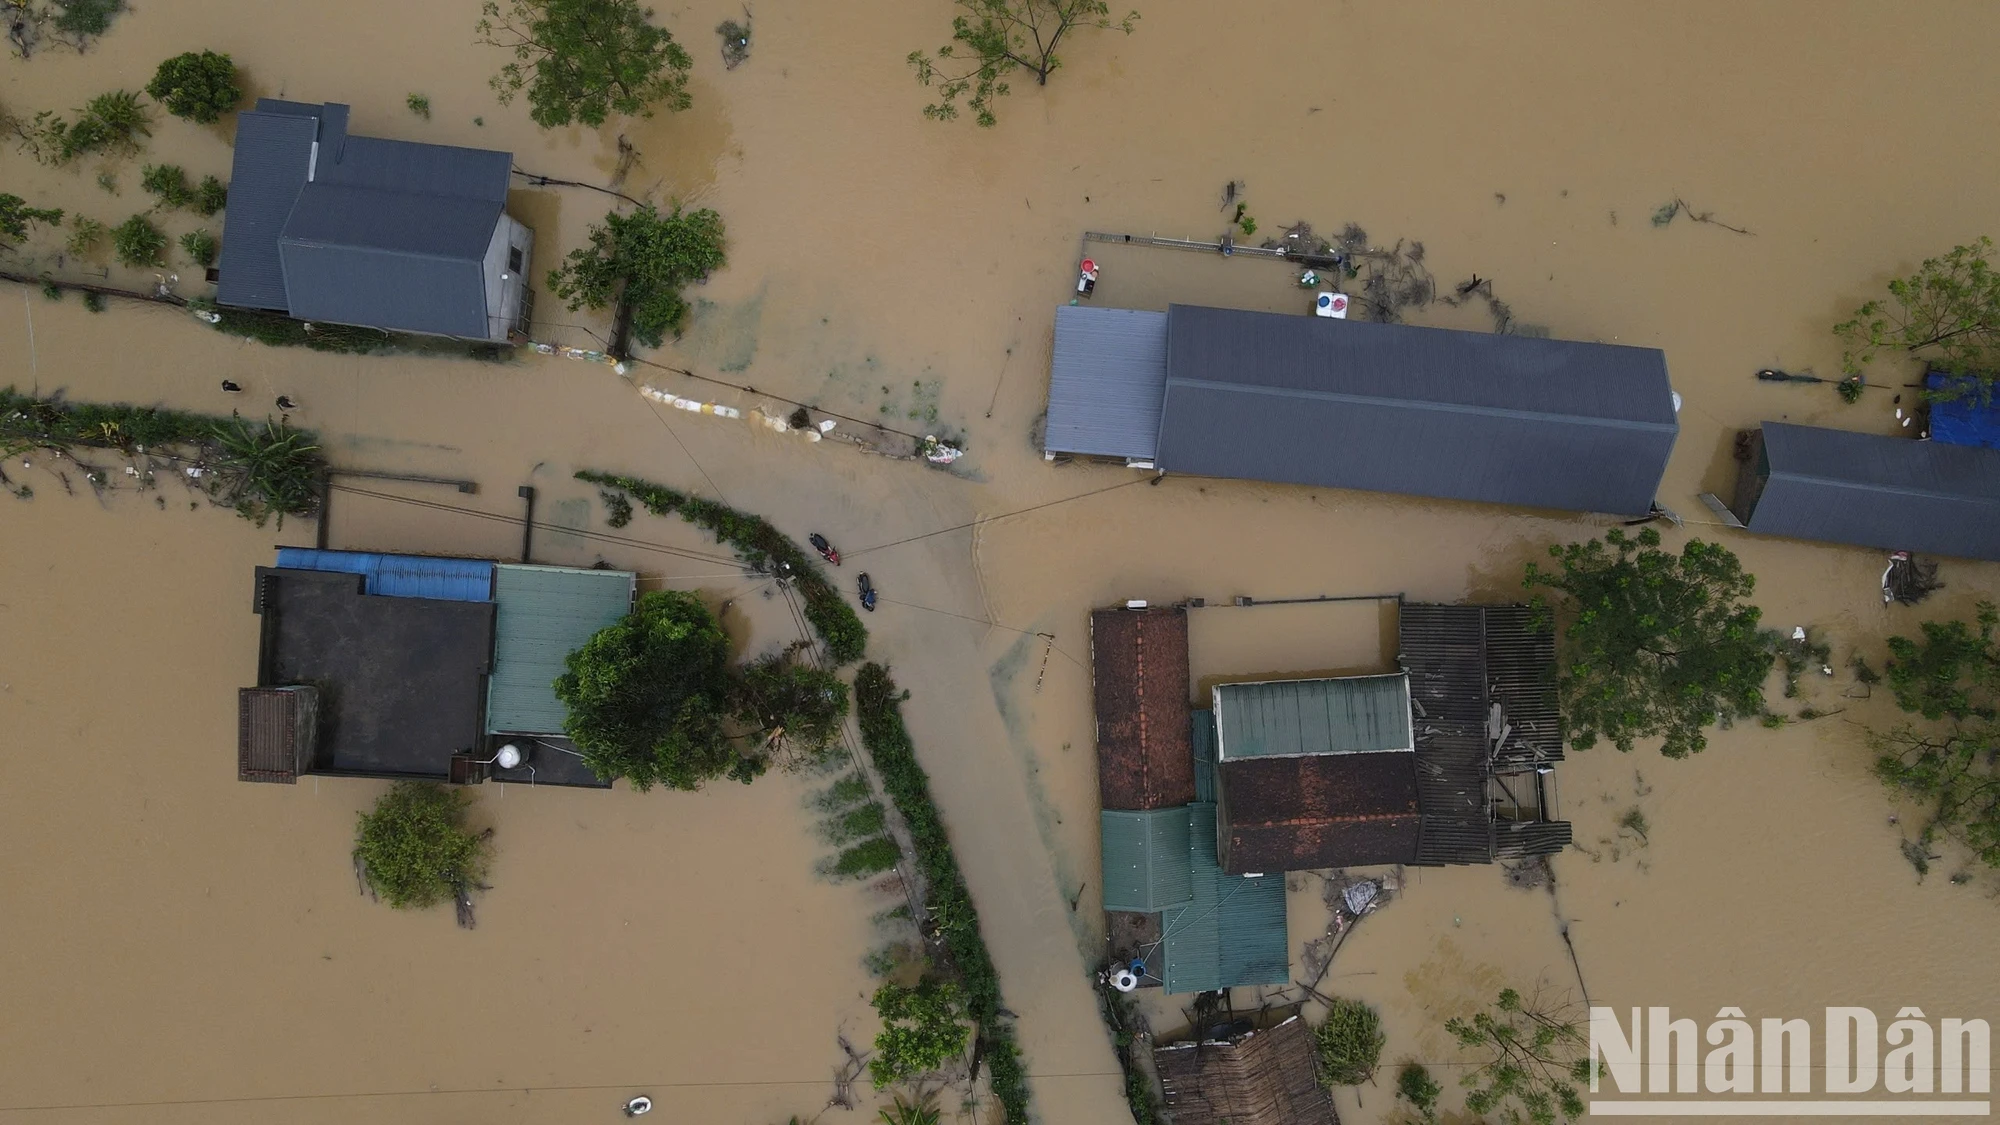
[178,947]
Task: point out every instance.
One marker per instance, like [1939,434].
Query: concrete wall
[504,286]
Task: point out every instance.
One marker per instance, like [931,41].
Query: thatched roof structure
[1255,1078]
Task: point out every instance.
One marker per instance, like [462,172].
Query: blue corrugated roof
[1233,933]
[401,576]
[1971,417]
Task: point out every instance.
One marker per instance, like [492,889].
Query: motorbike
[867,593]
[826,550]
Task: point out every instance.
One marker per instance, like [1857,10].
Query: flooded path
[181,947]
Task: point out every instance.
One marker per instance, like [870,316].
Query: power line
[1002,516]
[601,536]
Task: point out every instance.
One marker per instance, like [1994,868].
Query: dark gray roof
[273,151]
[389,234]
[1427,411]
[1107,378]
[1874,491]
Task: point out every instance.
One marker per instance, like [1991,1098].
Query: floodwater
[180,947]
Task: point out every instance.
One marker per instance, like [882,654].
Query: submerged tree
[16,216]
[138,243]
[414,847]
[996,38]
[641,261]
[1654,645]
[648,693]
[1950,676]
[1533,1057]
[1946,314]
[200,86]
[923,1029]
[797,709]
[582,60]
[1348,1042]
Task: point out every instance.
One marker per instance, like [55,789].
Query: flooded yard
[181,947]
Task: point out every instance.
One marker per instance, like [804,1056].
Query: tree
[200,247]
[16,215]
[580,60]
[648,693]
[1654,645]
[198,86]
[1947,314]
[995,38]
[1533,1056]
[138,243]
[1950,676]
[923,1029]
[114,121]
[641,261]
[414,848]
[798,709]
[1348,1043]
[1415,1085]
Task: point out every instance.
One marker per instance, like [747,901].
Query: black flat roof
[402,681]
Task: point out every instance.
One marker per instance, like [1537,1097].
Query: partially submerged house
[327,226]
[1448,761]
[1349,404]
[1867,490]
[1240,1075]
[404,666]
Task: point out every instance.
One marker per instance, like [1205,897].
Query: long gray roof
[1876,491]
[1107,379]
[358,230]
[1426,411]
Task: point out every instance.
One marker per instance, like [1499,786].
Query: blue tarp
[401,576]
[1971,418]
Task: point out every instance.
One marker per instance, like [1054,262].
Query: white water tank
[510,757]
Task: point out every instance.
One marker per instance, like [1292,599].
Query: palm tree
[922,1110]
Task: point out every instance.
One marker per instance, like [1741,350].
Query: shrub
[1349,1043]
[137,242]
[16,216]
[414,848]
[169,182]
[199,246]
[85,18]
[93,301]
[211,196]
[1415,1085]
[869,857]
[923,1030]
[200,87]
[797,707]
[84,235]
[419,105]
[51,290]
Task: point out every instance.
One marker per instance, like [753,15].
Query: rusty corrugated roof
[1320,810]
[1140,668]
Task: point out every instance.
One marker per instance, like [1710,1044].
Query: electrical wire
[601,536]
[1001,516]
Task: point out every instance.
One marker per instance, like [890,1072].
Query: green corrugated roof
[1233,933]
[1204,755]
[1145,859]
[543,613]
[1287,717]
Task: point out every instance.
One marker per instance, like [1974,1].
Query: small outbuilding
[327,226]
[1867,490]
[1238,1075]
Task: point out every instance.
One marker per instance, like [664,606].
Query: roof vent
[1136,603]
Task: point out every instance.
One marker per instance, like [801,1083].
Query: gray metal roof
[359,230]
[1426,411]
[273,151]
[1874,491]
[544,613]
[1107,378]
[1145,858]
[1280,718]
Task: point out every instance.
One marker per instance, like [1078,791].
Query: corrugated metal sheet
[1204,755]
[1869,490]
[1970,417]
[1107,378]
[273,149]
[1145,859]
[400,576]
[545,613]
[1425,411]
[1233,933]
[1283,717]
[384,289]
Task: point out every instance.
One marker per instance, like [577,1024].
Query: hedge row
[761,546]
[878,705]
